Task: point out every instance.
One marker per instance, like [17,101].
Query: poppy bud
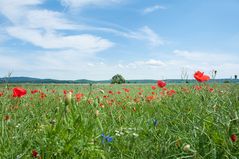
[68,98]
[7,117]
[34,154]
[234,137]
[97,113]
[102,91]
[186,148]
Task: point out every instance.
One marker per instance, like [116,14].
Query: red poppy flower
[34,153]
[150,98]
[42,95]
[118,92]
[200,77]
[198,88]
[1,94]
[234,137]
[161,84]
[171,92]
[34,91]
[211,90]
[153,87]
[19,92]
[79,96]
[126,90]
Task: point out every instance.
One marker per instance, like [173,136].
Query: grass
[135,124]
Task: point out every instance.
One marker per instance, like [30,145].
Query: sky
[139,39]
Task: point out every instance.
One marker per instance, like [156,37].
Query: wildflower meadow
[139,121]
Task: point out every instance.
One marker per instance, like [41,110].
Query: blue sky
[140,39]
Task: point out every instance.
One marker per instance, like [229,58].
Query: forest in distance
[85,81]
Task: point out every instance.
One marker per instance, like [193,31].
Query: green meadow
[120,121]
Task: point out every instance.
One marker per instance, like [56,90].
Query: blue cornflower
[155,122]
[107,138]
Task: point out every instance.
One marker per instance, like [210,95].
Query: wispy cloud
[147,34]
[82,3]
[68,64]
[152,37]
[153,8]
[48,20]
[3,36]
[15,10]
[84,43]
[147,63]
[69,47]
[40,28]
[191,61]
[15,62]
[205,57]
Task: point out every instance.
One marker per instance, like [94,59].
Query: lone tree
[117,79]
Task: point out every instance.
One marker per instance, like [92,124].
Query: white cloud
[15,10]
[26,13]
[9,62]
[82,3]
[206,57]
[150,63]
[3,36]
[147,34]
[144,34]
[189,61]
[50,40]
[90,64]
[153,62]
[226,64]
[46,19]
[69,64]
[151,36]
[40,28]
[153,8]
[120,66]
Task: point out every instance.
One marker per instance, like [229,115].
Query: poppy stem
[89,91]
[100,125]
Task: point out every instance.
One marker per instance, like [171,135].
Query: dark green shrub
[117,79]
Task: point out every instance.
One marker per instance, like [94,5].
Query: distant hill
[38,80]
[85,81]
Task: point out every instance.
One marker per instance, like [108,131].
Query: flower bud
[97,113]
[102,91]
[68,98]
[234,137]
[186,148]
